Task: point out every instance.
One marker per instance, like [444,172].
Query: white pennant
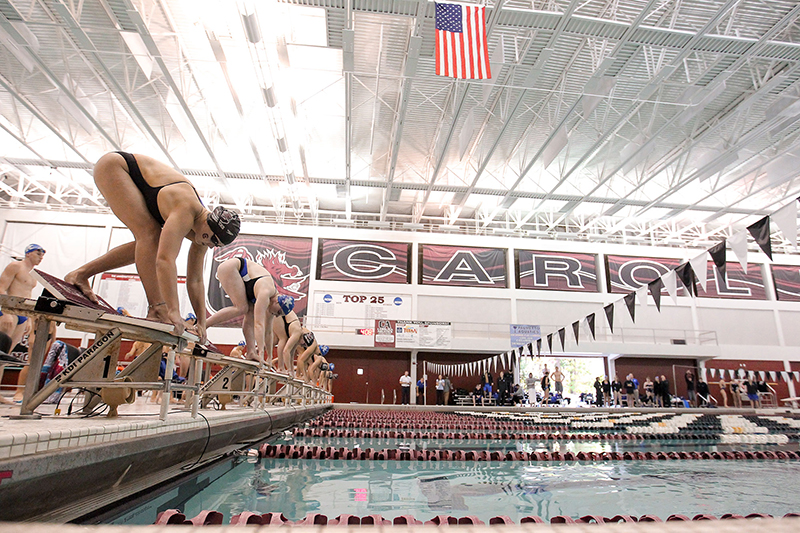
[762,375]
[785,376]
[703,373]
[796,375]
[751,374]
[731,374]
[670,283]
[700,266]
[713,372]
[786,220]
[773,376]
[641,295]
[738,244]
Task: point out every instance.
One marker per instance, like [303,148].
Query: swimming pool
[296,487]
[490,486]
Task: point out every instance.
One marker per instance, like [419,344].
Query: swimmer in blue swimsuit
[161,208]
[253,295]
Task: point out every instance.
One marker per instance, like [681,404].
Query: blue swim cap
[330,366]
[323,350]
[242,343]
[121,310]
[190,316]
[286,303]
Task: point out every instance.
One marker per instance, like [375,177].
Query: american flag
[461,50]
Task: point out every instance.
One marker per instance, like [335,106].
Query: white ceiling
[664,121]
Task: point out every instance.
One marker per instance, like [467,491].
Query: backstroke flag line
[461,49]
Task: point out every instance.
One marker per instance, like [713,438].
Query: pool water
[296,487]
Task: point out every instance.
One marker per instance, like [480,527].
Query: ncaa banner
[787,282]
[556,271]
[287,259]
[626,274]
[462,266]
[386,262]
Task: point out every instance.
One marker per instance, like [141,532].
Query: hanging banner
[384,262]
[416,334]
[521,334]
[384,334]
[787,282]
[458,266]
[629,273]
[369,306]
[287,259]
[556,271]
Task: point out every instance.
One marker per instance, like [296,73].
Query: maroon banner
[462,266]
[287,259]
[629,273]
[556,271]
[787,282]
[386,262]
[385,333]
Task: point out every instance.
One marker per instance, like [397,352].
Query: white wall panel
[457,309]
[734,326]
[791,332]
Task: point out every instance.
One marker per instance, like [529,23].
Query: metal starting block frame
[264,384]
[96,367]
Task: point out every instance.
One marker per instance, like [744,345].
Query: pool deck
[58,468]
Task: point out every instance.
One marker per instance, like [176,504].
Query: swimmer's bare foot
[82,283]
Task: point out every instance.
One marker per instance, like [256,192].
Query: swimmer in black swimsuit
[253,294]
[307,349]
[161,208]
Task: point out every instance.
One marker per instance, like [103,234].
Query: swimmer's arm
[7,277]
[196,287]
[177,226]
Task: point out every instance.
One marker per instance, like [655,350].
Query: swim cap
[286,303]
[190,316]
[34,247]
[323,350]
[242,343]
[121,310]
[330,366]
[323,366]
[224,223]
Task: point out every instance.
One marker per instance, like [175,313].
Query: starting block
[95,368]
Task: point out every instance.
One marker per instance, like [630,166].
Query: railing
[489,331]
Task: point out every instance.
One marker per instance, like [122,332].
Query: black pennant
[530,348]
[717,253]
[576,327]
[550,342]
[686,275]
[655,287]
[609,309]
[760,232]
[590,321]
[630,303]
[538,347]
[562,333]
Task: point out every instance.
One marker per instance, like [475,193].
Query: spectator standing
[608,400]
[440,390]
[690,388]
[530,384]
[666,399]
[751,386]
[657,394]
[558,379]
[598,391]
[616,389]
[421,391]
[405,387]
[630,390]
[448,387]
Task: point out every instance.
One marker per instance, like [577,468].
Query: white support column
[413,372]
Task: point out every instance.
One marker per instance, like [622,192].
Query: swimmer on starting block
[253,294]
[290,335]
[16,280]
[161,208]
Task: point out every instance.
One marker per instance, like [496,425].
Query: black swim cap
[224,223]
